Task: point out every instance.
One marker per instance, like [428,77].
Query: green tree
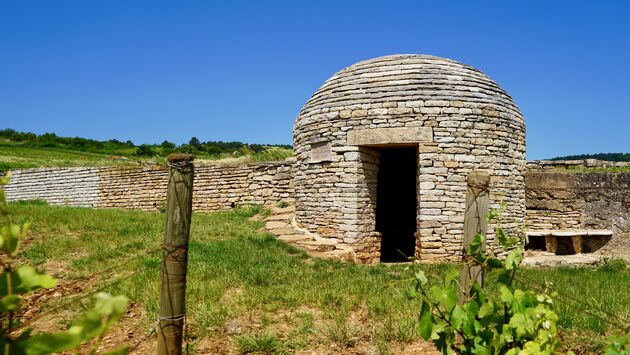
[145,150]
[168,145]
[195,143]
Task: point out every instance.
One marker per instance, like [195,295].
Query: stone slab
[573,233]
[569,233]
[276,224]
[316,246]
[283,231]
[396,135]
[292,238]
[281,217]
[600,232]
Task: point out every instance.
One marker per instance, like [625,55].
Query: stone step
[282,231]
[288,217]
[284,210]
[339,254]
[314,245]
[292,238]
[276,224]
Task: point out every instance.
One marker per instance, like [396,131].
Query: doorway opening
[396,205]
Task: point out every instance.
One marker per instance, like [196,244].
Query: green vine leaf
[426,321]
[476,244]
[421,277]
[9,303]
[24,279]
[513,259]
[9,238]
[446,296]
[31,280]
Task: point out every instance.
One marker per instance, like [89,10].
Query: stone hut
[383,150]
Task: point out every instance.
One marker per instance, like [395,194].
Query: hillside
[19,150]
[599,156]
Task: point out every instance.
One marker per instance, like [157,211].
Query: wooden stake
[475,222]
[175,254]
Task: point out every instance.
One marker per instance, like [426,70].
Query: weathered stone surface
[398,135]
[597,203]
[292,238]
[460,121]
[276,224]
[144,187]
[281,217]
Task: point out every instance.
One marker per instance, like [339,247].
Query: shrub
[514,321]
[145,150]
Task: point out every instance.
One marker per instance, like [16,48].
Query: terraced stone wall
[144,187]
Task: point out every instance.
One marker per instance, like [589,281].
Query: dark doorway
[396,203]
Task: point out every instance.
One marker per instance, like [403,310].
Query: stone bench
[577,237]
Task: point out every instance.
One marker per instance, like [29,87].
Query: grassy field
[248,292]
[17,156]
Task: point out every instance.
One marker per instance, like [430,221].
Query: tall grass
[237,272]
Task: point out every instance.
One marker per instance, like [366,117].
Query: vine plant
[17,280]
[512,321]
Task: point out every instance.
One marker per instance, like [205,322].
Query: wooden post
[474,222]
[175,254]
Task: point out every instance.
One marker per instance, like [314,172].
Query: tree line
[128,148]
[598,156]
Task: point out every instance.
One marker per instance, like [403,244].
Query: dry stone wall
[144,187]
[459,120]
[581,200]
[59,186]
[583,165]
[557,197]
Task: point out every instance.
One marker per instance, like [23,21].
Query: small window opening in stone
[396,207]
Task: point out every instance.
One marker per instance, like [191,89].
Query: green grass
[16,156]
[267,343]
[286,300]
[19,156]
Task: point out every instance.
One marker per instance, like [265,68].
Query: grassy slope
[297,302]
[19,156]
[16,156]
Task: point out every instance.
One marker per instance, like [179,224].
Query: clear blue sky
[234,70]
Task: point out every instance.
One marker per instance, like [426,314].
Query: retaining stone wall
[571,200]
[555,200]
[59,186]
[144,187]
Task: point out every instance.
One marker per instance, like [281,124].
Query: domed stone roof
[408,77]
[370,117]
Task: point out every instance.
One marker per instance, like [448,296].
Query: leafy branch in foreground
[19,280]
[514,321]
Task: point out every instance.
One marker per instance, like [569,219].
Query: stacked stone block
[58,186]
[579,200]
[144,187]
[470,122]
